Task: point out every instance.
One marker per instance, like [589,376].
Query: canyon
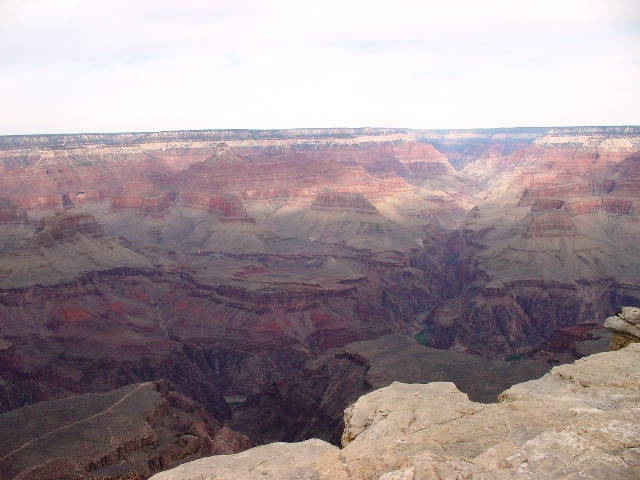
[580,421]
[273,277]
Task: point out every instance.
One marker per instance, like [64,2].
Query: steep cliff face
[106,315]
[578,421]
[310,403]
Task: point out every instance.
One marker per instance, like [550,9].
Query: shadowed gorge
[273,277]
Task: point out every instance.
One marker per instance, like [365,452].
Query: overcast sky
[146,65]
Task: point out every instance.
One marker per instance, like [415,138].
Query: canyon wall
[226,261]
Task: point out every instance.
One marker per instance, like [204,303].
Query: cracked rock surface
[309,460]
[580,421]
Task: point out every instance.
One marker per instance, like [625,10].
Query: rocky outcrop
[131,432]
[546,204]
[291,299]
[305,404]
[552,224]
[9,213]
[583,206]
[551,241]
[228,207]
[107,328]
[273,461]
[65,226]
[625,327]
[343,201]
[142,196]
[617,206]
[578,421]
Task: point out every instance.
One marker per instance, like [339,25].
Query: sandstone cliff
[579,421]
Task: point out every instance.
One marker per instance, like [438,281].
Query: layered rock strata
[225,261]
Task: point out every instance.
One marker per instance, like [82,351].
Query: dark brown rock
[132,432]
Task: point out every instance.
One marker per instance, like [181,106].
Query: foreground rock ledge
[625,327]
[578,421]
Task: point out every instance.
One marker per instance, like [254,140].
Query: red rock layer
[229,207]
[582,206]
[552,224]
[531,195]
[66,226]
[10,213]
[343,201]
[140,176]
[617,206]
[142,195]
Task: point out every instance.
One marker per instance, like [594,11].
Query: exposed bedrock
[309,403]
[143,196]
[343,201]
[62,227]
[578,421]
[552,224]
[618,206]
[10,213]
[625,181]
[532,291]
[625,326]
[149,175]
[228,207]
[56,372]
[305,404]
[546,204]
[583,205]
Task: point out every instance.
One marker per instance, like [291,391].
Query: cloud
[71,65]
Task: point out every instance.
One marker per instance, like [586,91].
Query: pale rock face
[625,327]
[308,460]
[631,315]
[580,421]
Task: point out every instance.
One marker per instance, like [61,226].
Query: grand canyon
[222,289]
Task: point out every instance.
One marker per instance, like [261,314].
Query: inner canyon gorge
[201,292]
